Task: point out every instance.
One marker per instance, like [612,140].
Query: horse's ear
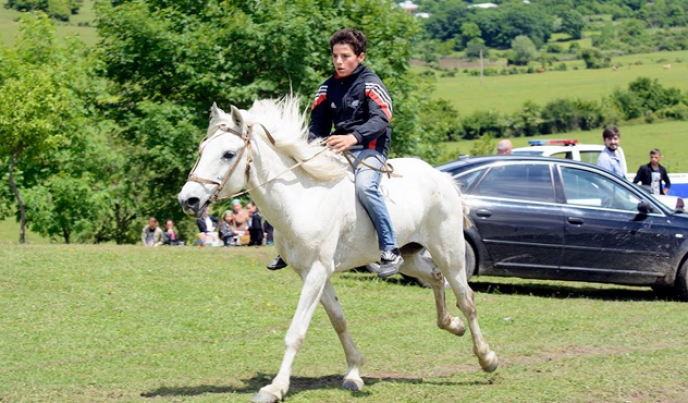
[236,116]
[215,111]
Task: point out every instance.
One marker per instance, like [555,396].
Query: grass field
[637,141]
[9,233]
[128,324]
[508,93]
[9,28]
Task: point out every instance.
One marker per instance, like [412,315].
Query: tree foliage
[58,9]
[572,23]
[48,90]
[523,50]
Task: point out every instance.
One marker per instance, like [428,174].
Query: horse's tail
[466,221]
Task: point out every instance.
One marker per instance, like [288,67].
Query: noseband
[245,149]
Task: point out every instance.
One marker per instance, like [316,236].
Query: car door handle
[483,212]
[576,220]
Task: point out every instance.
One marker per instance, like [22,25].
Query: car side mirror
[644,207]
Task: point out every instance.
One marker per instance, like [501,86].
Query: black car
[549,218]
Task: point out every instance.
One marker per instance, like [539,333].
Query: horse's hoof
[265,397]
[490,363]
[458,326]
[353,385]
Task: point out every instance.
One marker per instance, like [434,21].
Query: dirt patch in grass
[658,396]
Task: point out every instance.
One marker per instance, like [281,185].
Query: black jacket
[644,176]
[357,104]
[201,223]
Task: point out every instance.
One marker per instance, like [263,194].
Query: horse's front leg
[354,360]
[314,281]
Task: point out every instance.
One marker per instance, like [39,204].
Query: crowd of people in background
[238,226]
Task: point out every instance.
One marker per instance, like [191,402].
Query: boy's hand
[341,143]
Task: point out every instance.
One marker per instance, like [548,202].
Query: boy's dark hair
[655,151]
[351,37]
[610,131]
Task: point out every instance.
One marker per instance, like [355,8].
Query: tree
[573,24]
[474,47]
[469,31]
[523,50]
[593,59]
[499,26]
[170,60]
[45,87]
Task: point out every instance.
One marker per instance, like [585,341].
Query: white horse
[321,229]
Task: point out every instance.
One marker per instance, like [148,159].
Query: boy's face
[345,60]
[654,158]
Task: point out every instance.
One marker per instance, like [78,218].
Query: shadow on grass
[298,384]
[565,292]
[544,289]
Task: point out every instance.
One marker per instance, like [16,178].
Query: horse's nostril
[193,202]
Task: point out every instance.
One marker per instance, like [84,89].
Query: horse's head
[223,162]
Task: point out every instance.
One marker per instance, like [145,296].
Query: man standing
[504,147]
[609,158]
[653,174]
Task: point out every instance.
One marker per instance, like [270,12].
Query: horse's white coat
[320,228]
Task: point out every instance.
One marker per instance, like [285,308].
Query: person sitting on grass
[152,234]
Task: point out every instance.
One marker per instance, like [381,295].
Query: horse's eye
[228,155]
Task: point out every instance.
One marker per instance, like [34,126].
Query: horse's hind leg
[451,260]
[354,360]
[421,266]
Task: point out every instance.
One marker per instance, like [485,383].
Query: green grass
[9,28]
[637,141]
[507,94]
[9,233]
[128,324]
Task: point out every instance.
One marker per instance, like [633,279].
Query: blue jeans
[368,192]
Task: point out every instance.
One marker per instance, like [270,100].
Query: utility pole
[481,65]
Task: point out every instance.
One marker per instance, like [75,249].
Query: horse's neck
[281,200]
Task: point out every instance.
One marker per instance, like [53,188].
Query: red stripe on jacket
[320,99]
[372,95]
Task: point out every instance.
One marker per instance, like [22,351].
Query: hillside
[80,24]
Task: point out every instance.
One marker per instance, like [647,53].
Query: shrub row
[644,98]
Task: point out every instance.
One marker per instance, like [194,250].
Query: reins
[387,169]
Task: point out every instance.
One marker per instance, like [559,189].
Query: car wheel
[471,261]
[682,281]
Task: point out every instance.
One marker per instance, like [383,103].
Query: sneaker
[277,263]
[390,262]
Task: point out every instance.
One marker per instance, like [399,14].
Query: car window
[586,188]
[465,180]
[518,181]
[589,156]
[563,155]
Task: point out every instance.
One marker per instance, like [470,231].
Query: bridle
[246,149]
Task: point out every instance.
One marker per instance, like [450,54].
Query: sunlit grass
[130,324]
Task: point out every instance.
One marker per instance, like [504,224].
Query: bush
[482,122]
[561,67]
[676,112]
[555,48]
[593,59]
[574,47]
[523,51]
[473,48]
[558,116]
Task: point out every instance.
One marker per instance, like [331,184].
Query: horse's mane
[287,125]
